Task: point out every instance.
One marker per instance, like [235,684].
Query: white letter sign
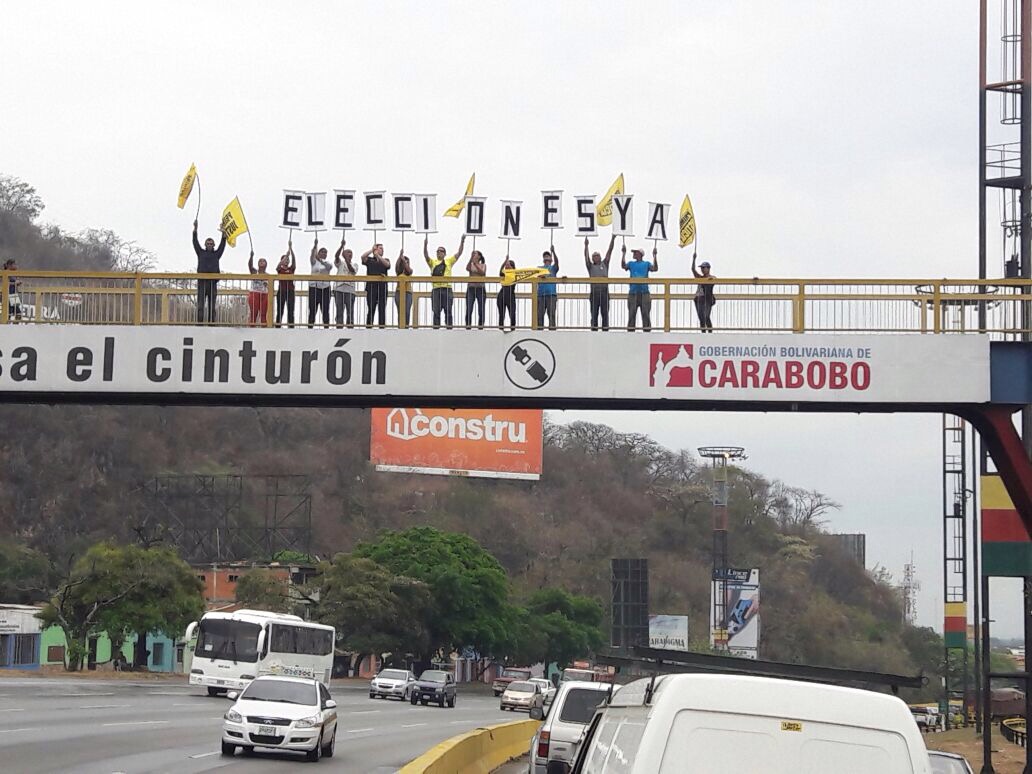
[585,215]
[552,209]
[293,201]
[343,209]
[511,212]
[623,215]
[403,212]
[475,215]
[374,211]
[657,221]
[425,206]
[315,211]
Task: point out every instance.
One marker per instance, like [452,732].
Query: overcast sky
[815,138]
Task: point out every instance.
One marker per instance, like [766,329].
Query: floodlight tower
[719,456]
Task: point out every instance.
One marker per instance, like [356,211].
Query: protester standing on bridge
[377,265]
[403,268]
[704,298]
[14,309]
[638,296]
[599,267]
[344,290]
[285,288]
[441,295]
[319,290]
[258,296]
[546,292]
[476,293]
[507,296]
[207,263]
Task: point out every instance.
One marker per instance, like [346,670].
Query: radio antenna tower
[719,456]
[908,591]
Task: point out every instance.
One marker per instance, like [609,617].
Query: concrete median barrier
[476,752]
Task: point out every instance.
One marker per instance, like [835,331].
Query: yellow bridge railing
[1002,307]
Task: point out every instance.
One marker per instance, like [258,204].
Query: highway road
[78,726]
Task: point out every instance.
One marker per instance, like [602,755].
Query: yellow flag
[233,222]
[687,222]
[186,187]
[512,276]
[604,210]
[456,209]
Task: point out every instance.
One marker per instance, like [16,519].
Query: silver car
[392,684]
[564,723]
[948,763]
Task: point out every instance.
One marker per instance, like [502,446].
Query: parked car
[434,685]
[927,718]
[725,722]
[520,695]
[564,722]
[508,675]
[547,688]
[948,763]
[392,683]
[282,713]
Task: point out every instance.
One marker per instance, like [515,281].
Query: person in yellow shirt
[441,295]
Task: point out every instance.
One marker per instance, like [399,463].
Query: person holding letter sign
[704,298]
[441,295]
[638,296]
[599,267]
[376,290]
[207,263]
[476,293]
[344,289]
[285,288]
[507,296]
[319,290]
[258,295]
[546,292]
[403,268]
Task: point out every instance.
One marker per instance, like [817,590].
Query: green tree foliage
[262,589]
[373,609]
[25,574]
[570,625]
[468,586]
[124,589]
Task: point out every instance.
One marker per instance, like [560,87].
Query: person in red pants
[258,297]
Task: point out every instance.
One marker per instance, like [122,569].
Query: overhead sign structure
[382,367]
[669,632]
[742,606]
[493,443]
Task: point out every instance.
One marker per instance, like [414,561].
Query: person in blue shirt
[638,296]
[546,293]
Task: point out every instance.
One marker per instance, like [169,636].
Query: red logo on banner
[670,365]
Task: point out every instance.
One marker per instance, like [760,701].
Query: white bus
[234,648]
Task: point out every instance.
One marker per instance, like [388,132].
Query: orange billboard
[499,443]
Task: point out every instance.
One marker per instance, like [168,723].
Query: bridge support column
[996,426]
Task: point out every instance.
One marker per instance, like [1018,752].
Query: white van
[711,723]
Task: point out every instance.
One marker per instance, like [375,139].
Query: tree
[571,625]
[120,590]
[262,589]
[19,198]
[373,610]
[24,574]
[468,586]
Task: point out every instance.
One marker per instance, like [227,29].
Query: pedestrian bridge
[951,346]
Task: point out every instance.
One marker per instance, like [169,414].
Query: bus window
[220,638]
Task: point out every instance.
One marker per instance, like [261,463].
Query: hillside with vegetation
[76,475]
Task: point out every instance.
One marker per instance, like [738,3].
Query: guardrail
[482,750]
[1013,730]
[1002,308]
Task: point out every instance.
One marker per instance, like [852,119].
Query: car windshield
[520,686]
[392,674]
[224,638]
[579,705]
[943,765]
[285,691]
[434,676]
[518,674]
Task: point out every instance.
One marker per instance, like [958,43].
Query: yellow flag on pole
[456,209]
[687,222]
[233,222]
[512,276]
[186,187]
[604,210]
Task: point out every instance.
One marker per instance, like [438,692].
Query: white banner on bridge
[543,369]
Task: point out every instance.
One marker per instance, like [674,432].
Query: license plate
[268,731]
[220,682]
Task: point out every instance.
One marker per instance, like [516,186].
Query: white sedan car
[546,688]
[397,683]
[282,713]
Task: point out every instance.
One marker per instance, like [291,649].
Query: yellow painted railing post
[799,309]
[137,298]
[164,307]
[270,295]
[937,307]
[402,294]
[5,298]
[666,306]
[533,302]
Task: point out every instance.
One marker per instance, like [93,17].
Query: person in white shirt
[319,290]
[344,291]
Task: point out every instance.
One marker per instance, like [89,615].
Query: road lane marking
[205,755]
[359,730]
[186,704]
[13,730]
[137,723]
[102,706]
[20,709]
[413,725]
[169,693]
[70,695]
[363,712]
